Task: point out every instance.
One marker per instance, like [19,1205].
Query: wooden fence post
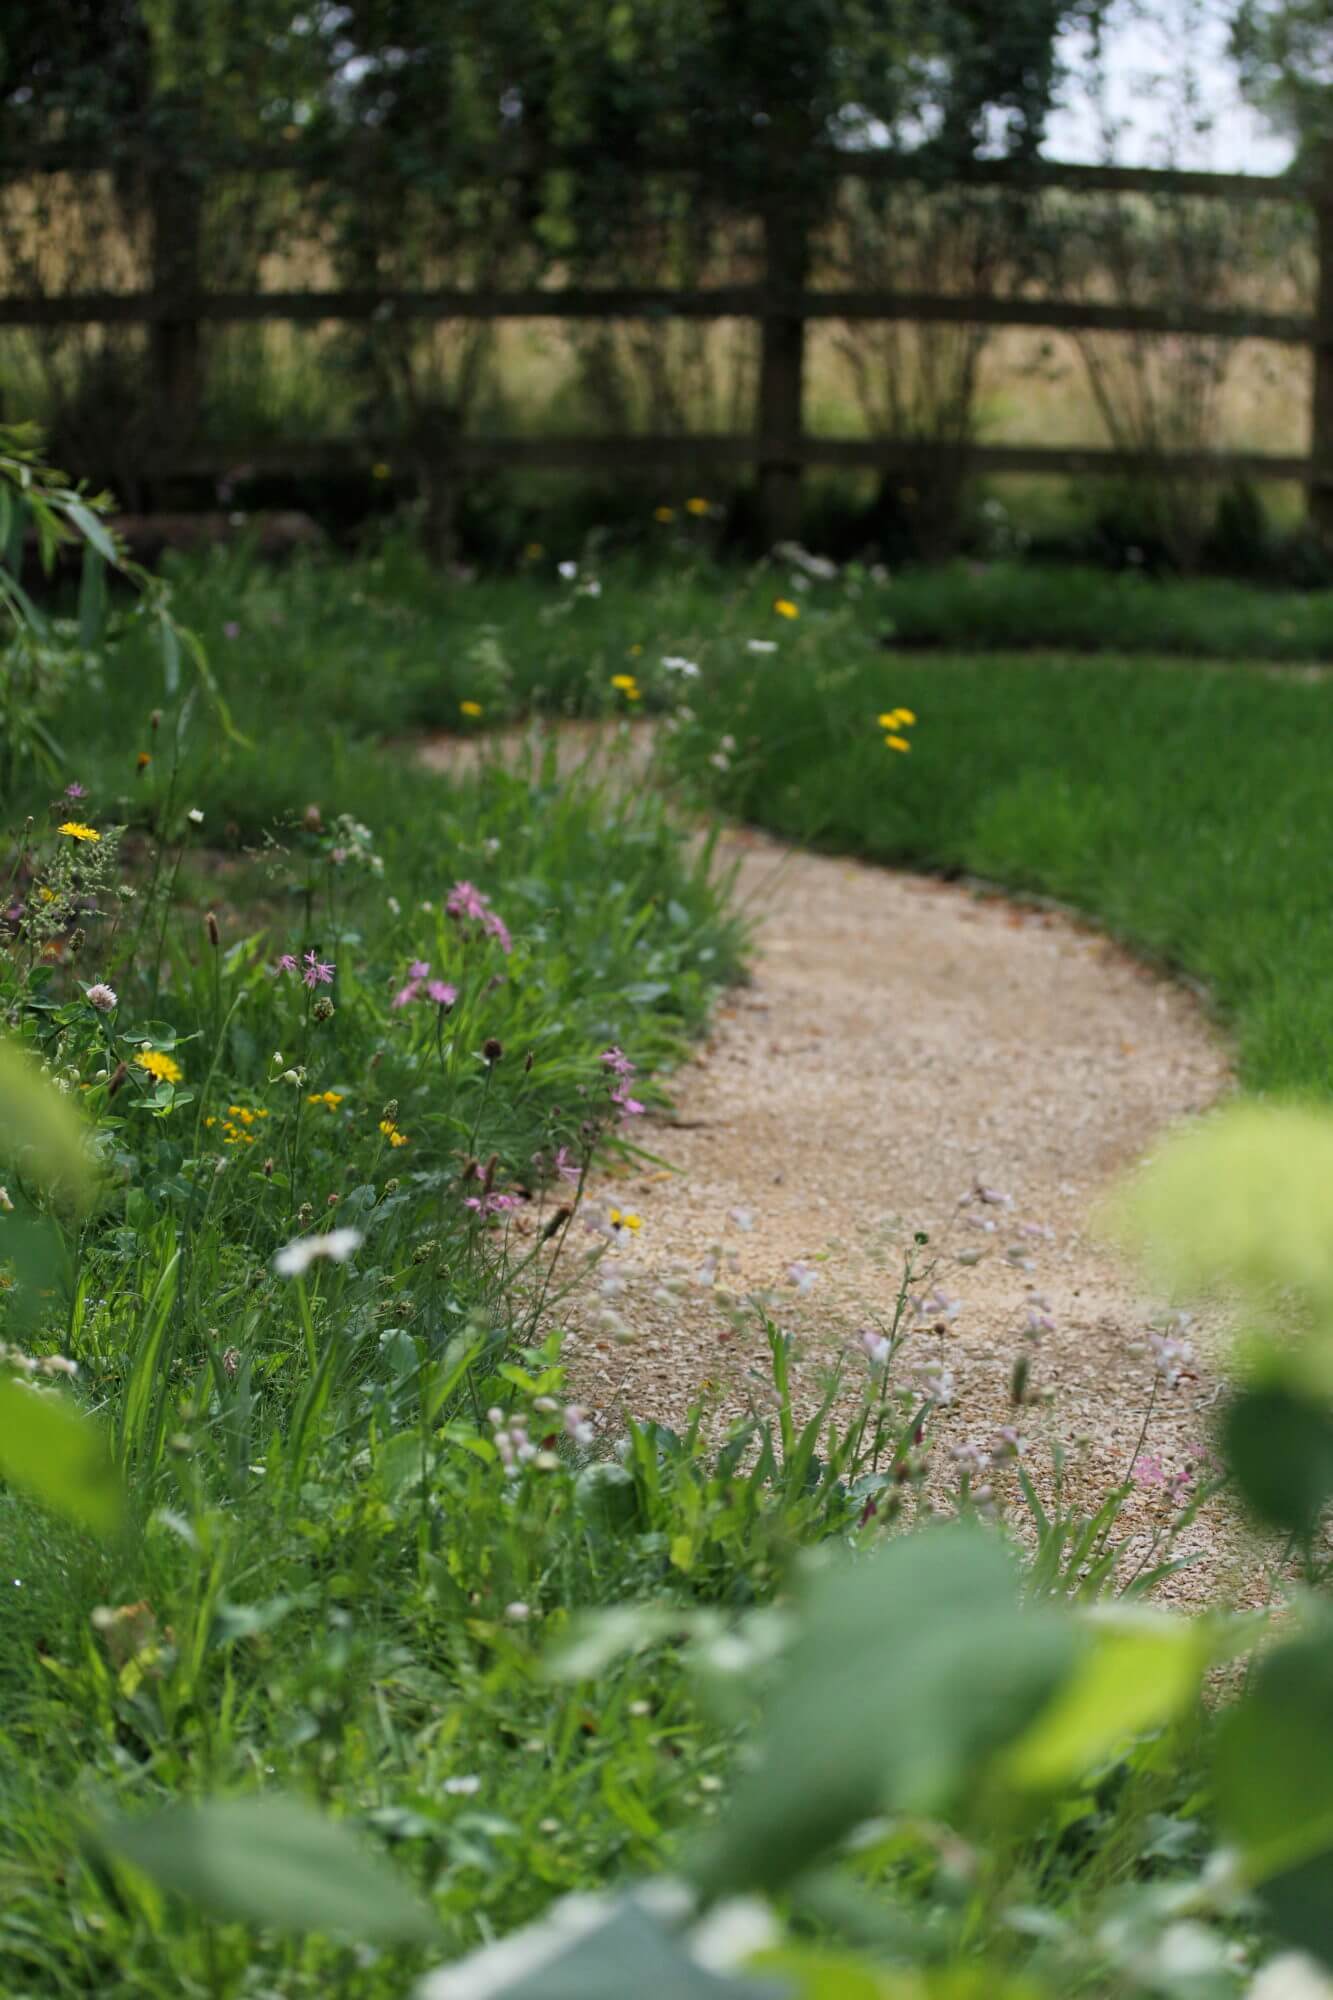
[176,210]
[782,370]
[1320,492]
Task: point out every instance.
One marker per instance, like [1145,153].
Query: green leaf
[1279,1443]
[1142,1668]
[36,1117]
[95,532]
[271,1861]
[58,1457]
[588,1950]
[914,1665]
[1274,1784]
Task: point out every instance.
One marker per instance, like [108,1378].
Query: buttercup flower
[899,743]
[472,709]
[74,829]
[664,514]
[336,1244]
[785,608]
[697,507]
[165,1068]
[627,685]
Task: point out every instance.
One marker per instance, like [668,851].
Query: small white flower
[674,664]
[517,1613]
[194,816]
[761,645]
[102,997]
[297,1257]
[590,588]
[462,1788]
[395,907]
[569,570]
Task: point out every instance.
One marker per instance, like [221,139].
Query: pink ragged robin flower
[76,791]
[316,973]
[441,992]
[628,1107]
[406,994]
[617,1062]
[418,969]
[287,963]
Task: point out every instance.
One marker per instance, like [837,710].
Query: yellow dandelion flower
[907,717]
[664,514]
[897,743]
[697,507]
[625,1219]
[472,709]
[46,895]
[627,685]
[74,829]
[165,1068]
[785,608]
[142,761]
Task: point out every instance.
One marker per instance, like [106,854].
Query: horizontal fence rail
[176,307]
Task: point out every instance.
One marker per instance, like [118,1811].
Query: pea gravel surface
[914,1057]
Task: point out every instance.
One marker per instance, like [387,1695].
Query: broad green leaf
[36,1118]
[589,1949]
[271,1861]
[598,1638]
[59,1457]
[1141,1669]
[1274,1783]
[1279,1443]
[1239,1200]
[914,1665]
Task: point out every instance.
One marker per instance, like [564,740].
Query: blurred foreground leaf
[35,1118]
[913,1666]
[58,1457]
[1279,1444]
[271,1861]
[1274,1777]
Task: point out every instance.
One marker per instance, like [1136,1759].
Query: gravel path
[902,1045]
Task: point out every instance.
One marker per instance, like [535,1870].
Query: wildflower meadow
[353,1642]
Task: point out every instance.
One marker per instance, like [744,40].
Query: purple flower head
[617,1062]
[76,791]
[316,972]
[466,904]
[441,993]
[464,901]
[491,1204]
[406,994]
[231,629]
[418,969]
[287,963]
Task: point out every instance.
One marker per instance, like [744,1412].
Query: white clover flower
[462,1788]
[194,816]
[518,1613]
[296,1257]
[102,997]
[569,570]
[675,664]
[761,645]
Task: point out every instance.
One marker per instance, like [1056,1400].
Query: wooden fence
[177,306]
